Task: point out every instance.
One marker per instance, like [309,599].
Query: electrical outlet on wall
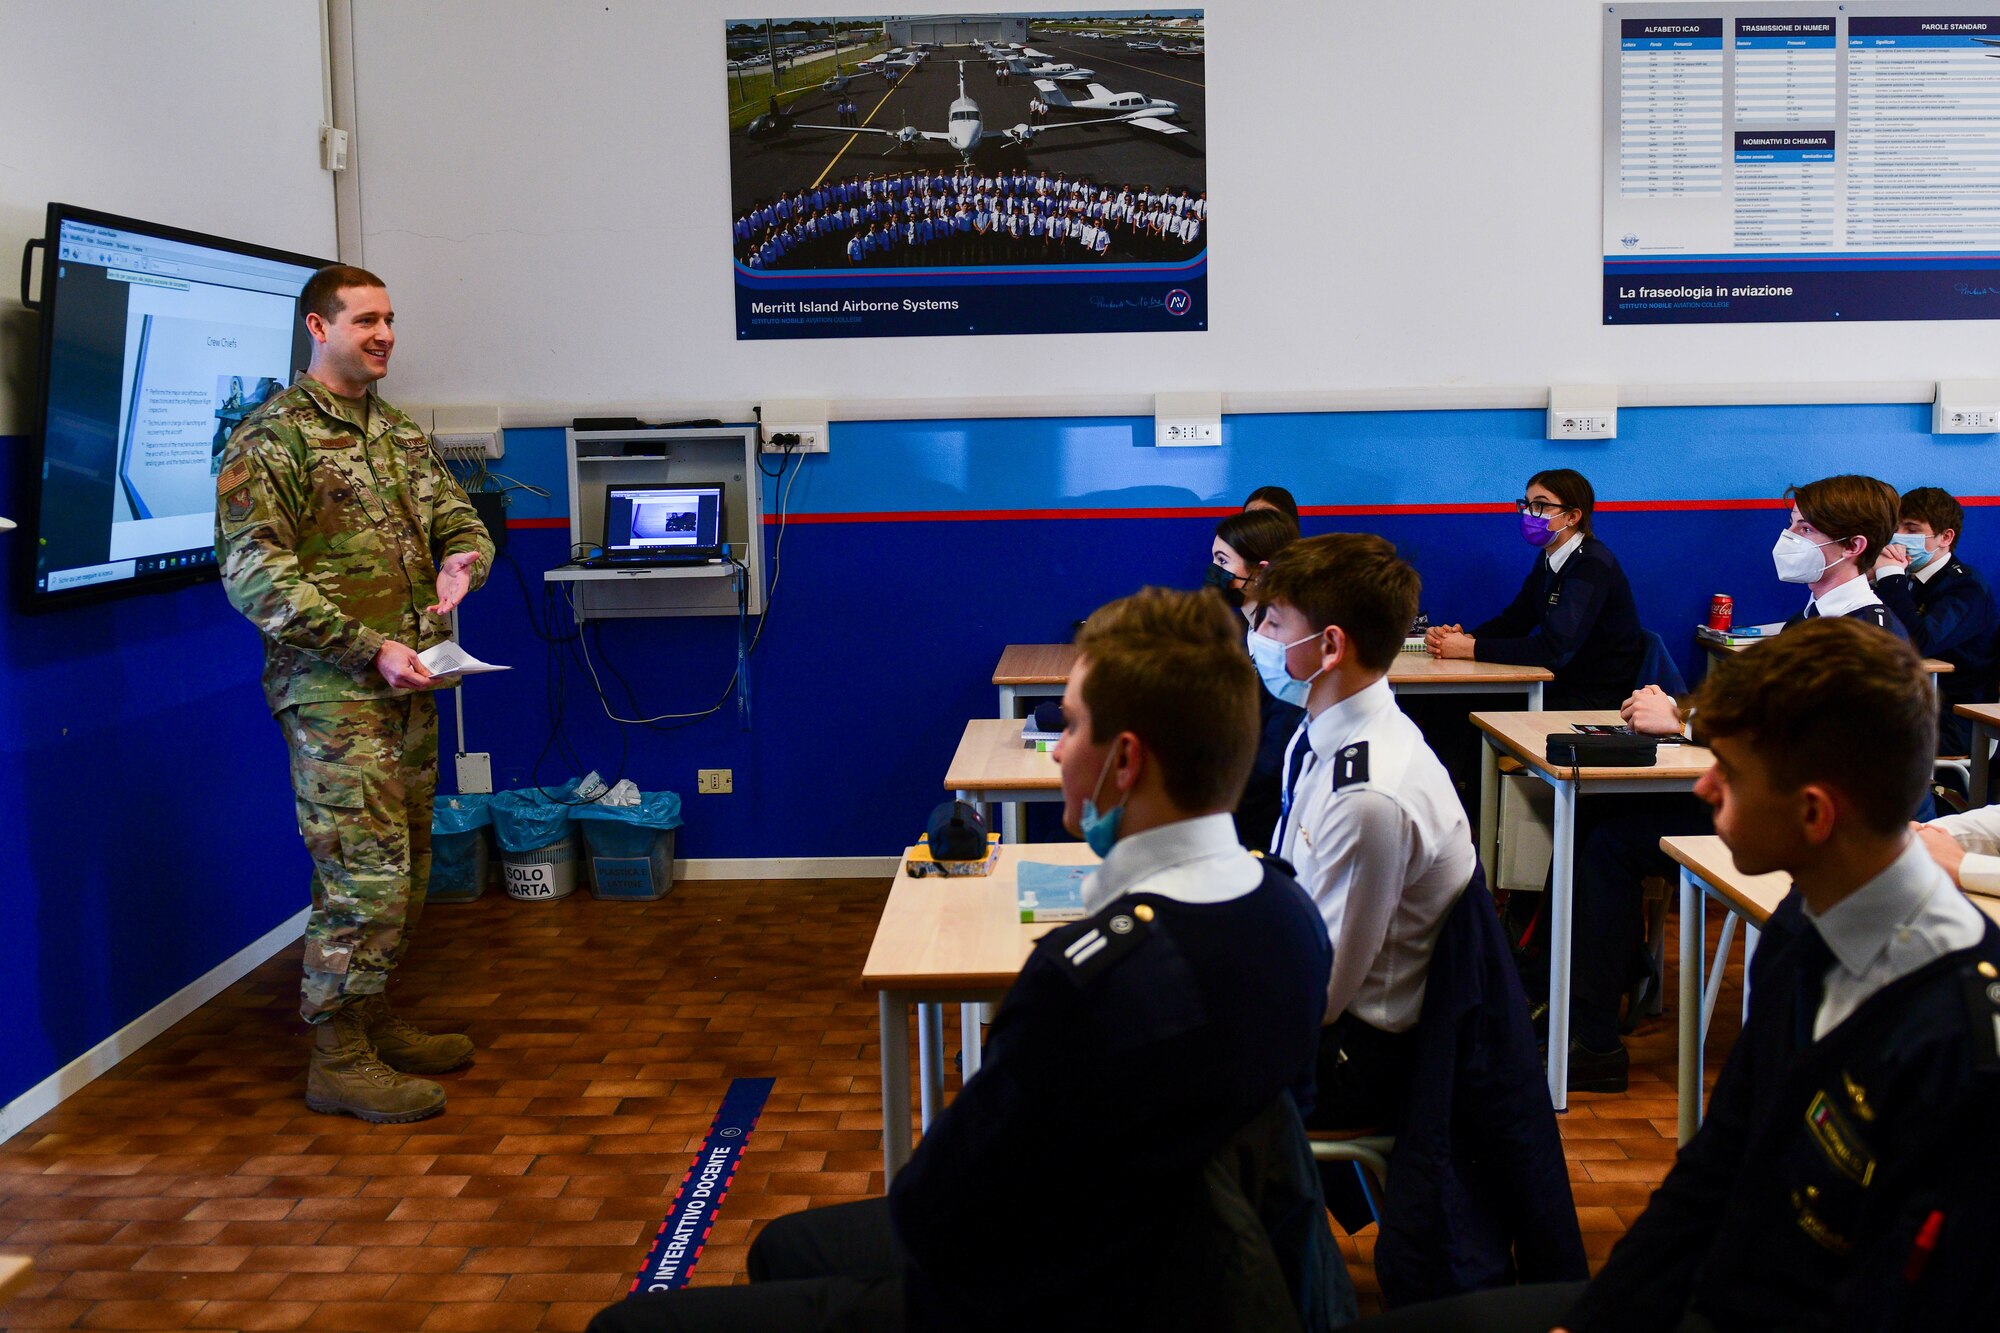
[714,781]
[1583,412]
[795,426]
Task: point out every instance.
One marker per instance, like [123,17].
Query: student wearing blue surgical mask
[1244,545]
[1944,603]
[1574,614]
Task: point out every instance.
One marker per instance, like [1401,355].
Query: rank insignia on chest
[1554,598]
[1838,1141]
[1350,765]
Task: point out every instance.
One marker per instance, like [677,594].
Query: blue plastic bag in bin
[631,847]
[458,848]
[526,820]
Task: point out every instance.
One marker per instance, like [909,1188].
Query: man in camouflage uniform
[344,539]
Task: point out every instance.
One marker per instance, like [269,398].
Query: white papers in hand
[448,659]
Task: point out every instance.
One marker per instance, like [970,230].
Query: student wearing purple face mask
[1574,614]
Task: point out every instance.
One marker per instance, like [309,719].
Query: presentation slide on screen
[1801,162]
[198,359]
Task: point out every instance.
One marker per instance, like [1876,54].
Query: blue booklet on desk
[1051,893]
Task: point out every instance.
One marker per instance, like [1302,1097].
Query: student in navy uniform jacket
[1095,1173]
[1244,544]
[1845,1175]
[1574,614]
[1839,528]
[1944,603]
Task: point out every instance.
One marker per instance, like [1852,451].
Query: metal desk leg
[1010,821]
[1535,696]
[893,1017]
[1489,807]
[1008,702]
[968,1040]
[1689,1017]
[1562,885]
[1982,740]
[1750,937]
[930,1059]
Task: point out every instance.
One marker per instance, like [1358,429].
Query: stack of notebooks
[1738,636]
[1035,739]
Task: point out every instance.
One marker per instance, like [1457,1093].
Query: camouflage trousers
[363,775]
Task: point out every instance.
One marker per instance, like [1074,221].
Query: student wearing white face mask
[1838,529]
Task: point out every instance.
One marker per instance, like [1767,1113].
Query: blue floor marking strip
[685,1232]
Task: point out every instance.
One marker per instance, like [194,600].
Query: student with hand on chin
[1944,603]
[1574,614]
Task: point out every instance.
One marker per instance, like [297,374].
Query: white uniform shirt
[1849,596]
[1898,921]
[1978,831]
[1192,861]
[1385,853]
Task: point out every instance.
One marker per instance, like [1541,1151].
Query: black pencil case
[1576,750]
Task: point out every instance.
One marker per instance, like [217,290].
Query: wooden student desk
[946,940]
[1035,671]
[1936,666]
[1985,720]
[992,766]
[1523,737]
[1709,871]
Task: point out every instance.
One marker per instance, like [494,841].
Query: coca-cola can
[1721,610]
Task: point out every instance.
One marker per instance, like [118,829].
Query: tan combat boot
[408,1049]
[347,1078]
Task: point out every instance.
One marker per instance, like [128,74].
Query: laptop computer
[663,525]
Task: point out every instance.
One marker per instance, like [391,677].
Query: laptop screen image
[663,522]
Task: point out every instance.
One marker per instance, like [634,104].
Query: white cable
[583,642]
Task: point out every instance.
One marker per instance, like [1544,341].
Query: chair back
[1658,668]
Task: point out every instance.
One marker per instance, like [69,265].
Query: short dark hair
[1170,668]
[321,295]
[1277,496]
[1849,506]
[1833,701]
[1573,489]
[1930,506]
[1351,579]
[1257,534]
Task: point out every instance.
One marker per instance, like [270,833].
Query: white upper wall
[1403,195]
[202,114]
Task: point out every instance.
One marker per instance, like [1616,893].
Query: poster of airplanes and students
[951,174]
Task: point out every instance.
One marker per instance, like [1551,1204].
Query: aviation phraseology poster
[1769,162]
[956,174]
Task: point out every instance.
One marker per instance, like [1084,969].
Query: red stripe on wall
[1219,511]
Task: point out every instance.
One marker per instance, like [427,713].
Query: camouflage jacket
[329,533]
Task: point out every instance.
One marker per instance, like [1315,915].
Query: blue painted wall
[149,822]
[152,831]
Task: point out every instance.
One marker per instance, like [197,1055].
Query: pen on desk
[1922,1247]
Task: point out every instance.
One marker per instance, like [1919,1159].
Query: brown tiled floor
[190,1187]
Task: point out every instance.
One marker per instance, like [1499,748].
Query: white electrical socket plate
[1582,425]
[812,437]
[1965,420]
[1174,432]
[466,444]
